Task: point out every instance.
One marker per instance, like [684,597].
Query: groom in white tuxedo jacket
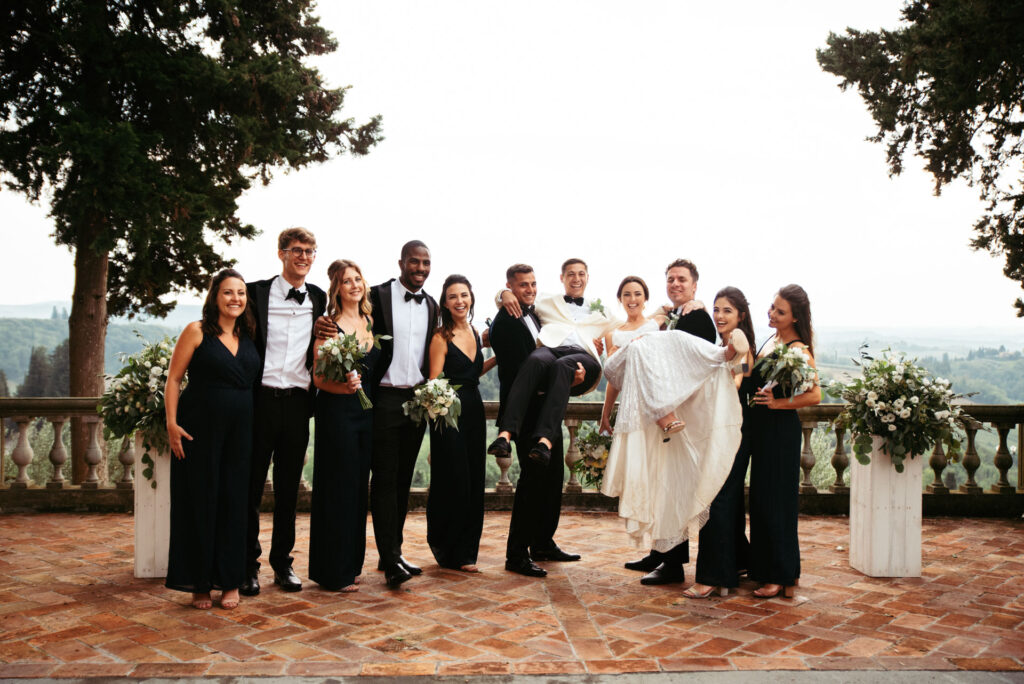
[570,334]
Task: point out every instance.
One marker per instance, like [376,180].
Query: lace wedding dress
[665,488]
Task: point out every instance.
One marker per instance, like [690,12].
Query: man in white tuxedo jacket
[569,338]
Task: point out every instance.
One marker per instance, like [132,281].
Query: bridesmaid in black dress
[341,455]
[455,504]
[775,455]
[209,429]
[724,550]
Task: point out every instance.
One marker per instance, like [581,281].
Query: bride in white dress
[666,484]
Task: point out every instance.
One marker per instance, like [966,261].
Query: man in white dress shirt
[285,308]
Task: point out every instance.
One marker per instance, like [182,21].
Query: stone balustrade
[55,493]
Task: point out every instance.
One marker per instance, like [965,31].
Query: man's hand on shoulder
[325,328]
[511,304]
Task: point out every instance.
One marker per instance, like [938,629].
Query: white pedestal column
[885,516]
[152,515]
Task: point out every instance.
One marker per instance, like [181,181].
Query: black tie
[419,296]
[569,299]
[299,297]
[529,308]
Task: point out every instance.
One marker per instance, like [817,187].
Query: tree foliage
[145,120]
[948,86]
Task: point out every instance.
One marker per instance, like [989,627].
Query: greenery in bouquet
[899,402]
[437,401]
[594,447]
[343,354]
[134,399]
[788,367]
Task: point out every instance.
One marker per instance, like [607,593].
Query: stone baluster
[503,485]
[58,454]
[840,462]
[127,460]
[938,463]
[22,454]
[93,454]
[303,485]
[807,458]
[572,455]
[971,461]
[1002,460]
[268,486]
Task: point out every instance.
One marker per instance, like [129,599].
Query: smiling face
[633,299]
[727,317]
[414,267]
[231,298]
[780,315]
[574,279]
[351,288]
[458,299]
[680,285]
[297,258]
[524,287]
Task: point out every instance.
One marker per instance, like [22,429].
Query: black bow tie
[299,297]
[529,308]
[419,296]
[569,299]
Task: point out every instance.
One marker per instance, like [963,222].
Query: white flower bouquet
[435,400]
[134,399]
[340,356]
[788,367]
[594,447]
[899,402]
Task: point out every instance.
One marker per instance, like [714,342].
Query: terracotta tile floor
[70,607]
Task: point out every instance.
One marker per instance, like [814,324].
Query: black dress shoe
[287,580]
[663,575]
[541,453]
[525,567]
[395,574]
[645,564]
[251,585]
[500,448]
[553,554]
[409,567]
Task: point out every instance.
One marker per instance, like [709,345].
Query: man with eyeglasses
[285,308]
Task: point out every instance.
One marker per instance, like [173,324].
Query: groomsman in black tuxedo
[538,500]
[285,308]
[404,311]
[681,287]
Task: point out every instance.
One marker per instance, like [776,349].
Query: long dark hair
[801,309]
[633,279]
[210,323]
[447,322]
[739,300]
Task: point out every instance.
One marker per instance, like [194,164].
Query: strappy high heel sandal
[787,591]
[691,594]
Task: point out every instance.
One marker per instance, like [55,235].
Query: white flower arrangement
[899,402]
[594,447]
[343,354]
[597,306]
[790,368]
[435,400]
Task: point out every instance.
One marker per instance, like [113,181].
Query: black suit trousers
[396,444]
[537,505]
[281,434]
[549,370]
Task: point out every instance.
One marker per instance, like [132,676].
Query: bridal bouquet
[594,447]
[790,368]
[134,399]
[900,403]
[340,356]
[437,401]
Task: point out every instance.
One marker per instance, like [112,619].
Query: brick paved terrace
[70,607]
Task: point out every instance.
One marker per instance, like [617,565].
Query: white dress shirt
[577,312]
[289,328]
[531,325]
[409,329]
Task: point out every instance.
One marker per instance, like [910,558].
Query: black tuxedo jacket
[259,302]
[383,324]
[699,324]
[512,343]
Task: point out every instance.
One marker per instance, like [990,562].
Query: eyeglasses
[299,251]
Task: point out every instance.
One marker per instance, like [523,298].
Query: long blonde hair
[336,272]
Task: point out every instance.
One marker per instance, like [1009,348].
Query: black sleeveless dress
[209,487]
[455,503]
[775,441]
[341,477]
[723,550]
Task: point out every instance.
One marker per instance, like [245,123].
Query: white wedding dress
[665,488]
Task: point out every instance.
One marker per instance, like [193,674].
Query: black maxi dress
[775,441]
[341,477]
[455,503]
[209,487]
[723,550]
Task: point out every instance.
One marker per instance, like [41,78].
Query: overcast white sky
[627,134]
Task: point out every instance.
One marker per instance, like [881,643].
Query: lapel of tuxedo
[563,307]
[262,300]
[384,296]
